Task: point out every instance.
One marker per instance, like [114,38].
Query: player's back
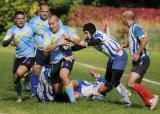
[108,44]
[135,33]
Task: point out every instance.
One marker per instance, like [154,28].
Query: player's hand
[13,36]
[66,37]
[13,42]
[96,94]
[69,58]
[83,43]
[119,49]
[94,73]
[62,42]
[135,56]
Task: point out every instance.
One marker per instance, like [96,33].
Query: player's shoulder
[134,25]
[34,19]
[137,28]
[98,34]
[12,28]
[66,28]
[28,25]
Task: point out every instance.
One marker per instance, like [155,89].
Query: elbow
[4,44]
[78,41]
[146,39]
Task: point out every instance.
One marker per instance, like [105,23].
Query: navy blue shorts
[141,66]
[26,61]
[119,62]
[115,68]
[40,58]
[57,67]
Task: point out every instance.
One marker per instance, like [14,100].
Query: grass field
[110,105]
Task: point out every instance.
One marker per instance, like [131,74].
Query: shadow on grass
[120,103]
[13,98]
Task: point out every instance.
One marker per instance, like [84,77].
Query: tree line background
[60,8]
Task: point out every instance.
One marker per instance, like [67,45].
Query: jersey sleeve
[31,21]
[139,32]
[93,41]
[98,36]
[8,35]
[101,79]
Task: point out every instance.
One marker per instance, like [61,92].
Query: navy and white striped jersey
[135,34]
[44,89]
[87,88]
[108,44]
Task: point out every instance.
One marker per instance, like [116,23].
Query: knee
[36,70]
[115,82]
[110,86]
[16,79]
[19,73]
[64,75]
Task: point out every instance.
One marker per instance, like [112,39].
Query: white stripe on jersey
[108,45]
[134,41]
[88,88]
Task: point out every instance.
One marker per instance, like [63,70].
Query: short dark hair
[19,12]
[90,27]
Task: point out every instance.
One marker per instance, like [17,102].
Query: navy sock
[34,83]
[18,87]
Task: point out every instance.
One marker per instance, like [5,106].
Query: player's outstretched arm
[7,40]
[94,73]
[54,45]
[75,41]
[121,47]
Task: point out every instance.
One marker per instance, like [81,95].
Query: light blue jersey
[108,45]
[38,24]
[50,37]
[135,34]
[23,38]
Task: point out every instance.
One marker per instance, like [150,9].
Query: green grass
[110,105]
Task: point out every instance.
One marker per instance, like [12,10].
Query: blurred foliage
[124,3]
[7,11]
[31,8]
[61,8]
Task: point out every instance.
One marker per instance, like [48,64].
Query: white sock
[122,91]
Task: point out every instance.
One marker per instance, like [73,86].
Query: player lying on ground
[94,90]
[83,88]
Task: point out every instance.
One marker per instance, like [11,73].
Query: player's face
[20,20]
[44,12]
[87,34]
[124,20]
[102,88]
[54,24]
